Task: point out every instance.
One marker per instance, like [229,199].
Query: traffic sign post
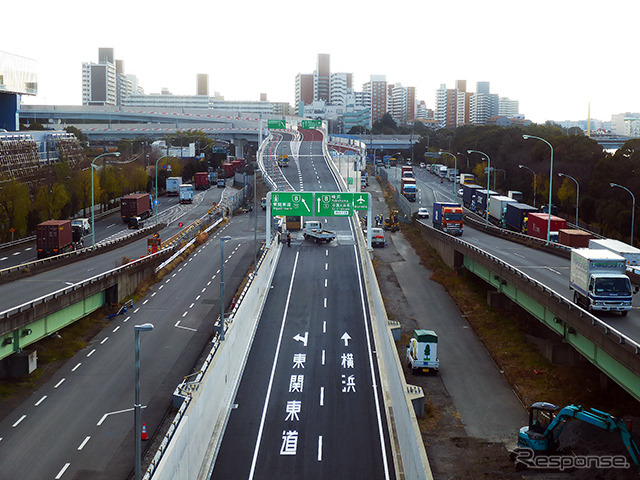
[307,124]
[334,204]
[276,124]
[294,204]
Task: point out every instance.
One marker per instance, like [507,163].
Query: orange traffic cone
[143,436]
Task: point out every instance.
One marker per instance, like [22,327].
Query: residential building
[322,78]
[411,103]
[376,96]
[99,84]
[508,107]
[483,104]
[304,88]
[398,103]
[453,105]
[202,84]
[627,124]
[341,84]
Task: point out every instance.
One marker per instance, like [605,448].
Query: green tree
[14,202]
[50,200]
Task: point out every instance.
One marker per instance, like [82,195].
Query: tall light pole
[255,221]
[534,182]
[145,327]
[550,185]
[633,208]
[93,202]
[455,169]
[486,207]
[577,193]
[156,205]
[467,158]
[222,240]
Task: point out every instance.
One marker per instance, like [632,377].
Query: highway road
[547,268]
[79,424]
[309,404]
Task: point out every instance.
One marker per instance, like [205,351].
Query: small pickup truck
[313,229]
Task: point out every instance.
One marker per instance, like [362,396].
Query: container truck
[599,281]
[228,170]
[452,173]
[574,238]
[186,193]
[173,186]
[482,200]
[466,179]
[517,216]
[442,171]
[516,195]
[538,223]
[408,188]
[405,169]
[497,209]
[448,217]
[469,195]
[55,237]
[201,180]
[136,205]
[422,352]
[630,254]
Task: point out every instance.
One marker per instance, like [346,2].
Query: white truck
[497,209]
[186,193]
[173,186]
[422,352]
[313,229]
[630,254]
[599,281]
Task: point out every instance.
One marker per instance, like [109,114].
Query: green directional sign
[336,204]
[276,124]
[360,201]
[311,124]
[295,204]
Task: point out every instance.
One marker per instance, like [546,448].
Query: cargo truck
[574,238]
[407,171]
[599,281]
[452,174]
[55,237]
[630,254]
[517,216]
[136,205]
[408,188]
[186,193]
[201,180]
[469,195]
[448,217]
[516,195]
[313,230]
[497,209]
[422,352]
[538,223]
[173,186]
[466,179]
[442,171]
[482,200]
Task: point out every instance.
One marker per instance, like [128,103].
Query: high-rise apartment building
[375,91]
[508,107]
[411,103]
[398,103]
[483,104]
[202,84]
[452,105]
[322,77]
[340,86]
[105,83]
[304,89]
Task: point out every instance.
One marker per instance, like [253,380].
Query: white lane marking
[184,314]
[116,329]
[19,420]
[17,253]
[136,310]
[104,417]
[273,371]
[326,253]
[373,376]
[76,367]
[204,290]
[323,356]
[154,294]
[325,302]
[179,270]
[209,282]
[549,268]
[112,225]
[145,302]
[125,320]
[325,283]
[326,266]
[324,327]
[177,325]
[59,383]
[37,404]
[105,339]
[322,396]
[4,258]
[84,442]
[168,280]
[160,287]
[91,352]
[518,255]
[197,298]
[320,448]
[173,275]
[66,465]
[218,271]
[191,306]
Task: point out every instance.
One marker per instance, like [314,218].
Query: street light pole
[455,169]
[577,193]
[146,327]
[550,184]
[486,207]
[93,202]
[633,208]
[156,205]
[255,221]
[534,182]
[222,240]
[467,158]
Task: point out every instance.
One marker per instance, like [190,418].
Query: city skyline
[549,57]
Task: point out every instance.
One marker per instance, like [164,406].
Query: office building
[17,77]
[202,84]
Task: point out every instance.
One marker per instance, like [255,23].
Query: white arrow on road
[346,339]
[300,338]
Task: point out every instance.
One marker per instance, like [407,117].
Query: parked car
[423,212]
[377,237]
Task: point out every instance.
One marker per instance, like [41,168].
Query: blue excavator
[546,422]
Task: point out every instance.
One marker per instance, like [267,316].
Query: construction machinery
[392,224]
[546,422]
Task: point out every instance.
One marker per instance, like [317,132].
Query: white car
[423,165]
[377,237]
[423,212]
[460,192]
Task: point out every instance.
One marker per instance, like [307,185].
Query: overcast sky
[553,56]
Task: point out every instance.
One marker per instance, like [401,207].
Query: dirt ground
[452,454]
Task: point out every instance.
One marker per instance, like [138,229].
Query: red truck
[538,223]
[228,169]
[136,205]
[54,237]
[201,180]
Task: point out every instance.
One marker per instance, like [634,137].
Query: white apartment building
[627,124]
[99,84]
[340,85]
[398,104]
[508,108]
[441,105]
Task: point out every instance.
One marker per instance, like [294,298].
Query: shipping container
[136,205]
[574,238]
[538,223]
[201,180]
[517,216]
[482,197]
[54,237]
[469,194]
[630,254]
[173,185]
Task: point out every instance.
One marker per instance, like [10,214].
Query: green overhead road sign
[334,204]
[275,124]
[295,204]
[311,124]
[361,201]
